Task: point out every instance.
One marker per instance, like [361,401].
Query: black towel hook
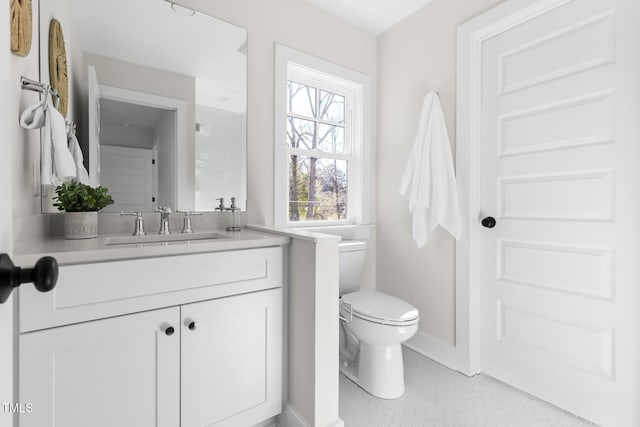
[44,275]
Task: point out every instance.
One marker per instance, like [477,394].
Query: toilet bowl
[373,327]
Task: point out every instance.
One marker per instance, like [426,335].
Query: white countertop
[308,234]
[26,253]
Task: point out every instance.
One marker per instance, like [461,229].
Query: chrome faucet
[186,225]
[164,219]
[220,207]
[139,224]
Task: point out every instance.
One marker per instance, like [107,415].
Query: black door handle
[192,326]
[44,275]
[489,222]
[169,331]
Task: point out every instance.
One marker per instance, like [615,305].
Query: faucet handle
[221,205]
[138,229]
[136,214]
[186,225]
[164,209]
[187,214]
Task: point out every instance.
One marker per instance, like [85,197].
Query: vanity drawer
[98,290]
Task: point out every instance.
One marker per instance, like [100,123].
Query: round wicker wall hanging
[58,65]
[20,22]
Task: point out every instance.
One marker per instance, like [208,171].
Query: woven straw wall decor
[21,26]
[58,65]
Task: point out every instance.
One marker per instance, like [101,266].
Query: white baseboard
[433,348]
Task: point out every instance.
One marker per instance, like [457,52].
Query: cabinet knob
[169,331]
[192,326]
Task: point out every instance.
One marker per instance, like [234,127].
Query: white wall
[415,56]
[24,144]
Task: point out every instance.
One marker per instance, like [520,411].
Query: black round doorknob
[43,275]
[192,326]
[169,331]
[489,222]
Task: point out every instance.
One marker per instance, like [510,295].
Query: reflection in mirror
[162,119]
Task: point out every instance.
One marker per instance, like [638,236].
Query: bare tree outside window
[318,168]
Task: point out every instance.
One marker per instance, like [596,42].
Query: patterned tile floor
[436,396]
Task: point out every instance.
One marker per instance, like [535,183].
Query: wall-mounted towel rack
[32,85]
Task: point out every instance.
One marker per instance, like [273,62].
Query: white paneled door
[10,140]
[7,310]
[557,289]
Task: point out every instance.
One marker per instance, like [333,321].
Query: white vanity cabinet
[122,371]
[232,360]
[213,358]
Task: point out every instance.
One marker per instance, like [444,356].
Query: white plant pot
[80,225]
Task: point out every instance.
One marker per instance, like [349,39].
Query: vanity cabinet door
[232,360]
[122,371]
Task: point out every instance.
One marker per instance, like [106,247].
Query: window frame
[305,69]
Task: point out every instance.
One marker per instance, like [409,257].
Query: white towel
[76,152]
[33,117]
[57,163]
[428,180]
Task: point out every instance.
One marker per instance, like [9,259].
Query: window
[320,117]
[319,147]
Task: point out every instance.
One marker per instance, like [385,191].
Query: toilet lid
[380,308]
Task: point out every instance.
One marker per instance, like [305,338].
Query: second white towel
[76,152]
[57,163]
[429,181]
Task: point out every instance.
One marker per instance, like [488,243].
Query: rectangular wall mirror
[158,96]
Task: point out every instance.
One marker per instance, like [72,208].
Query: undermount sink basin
[161,238]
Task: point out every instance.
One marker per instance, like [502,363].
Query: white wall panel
[583,46]
[580,346]
[577,269]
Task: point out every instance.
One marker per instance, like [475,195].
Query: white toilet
[372,327]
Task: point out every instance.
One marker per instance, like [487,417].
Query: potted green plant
[81,203]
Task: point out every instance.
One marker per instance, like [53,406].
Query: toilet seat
[377,307]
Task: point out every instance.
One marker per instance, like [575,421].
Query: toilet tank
[351,260]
